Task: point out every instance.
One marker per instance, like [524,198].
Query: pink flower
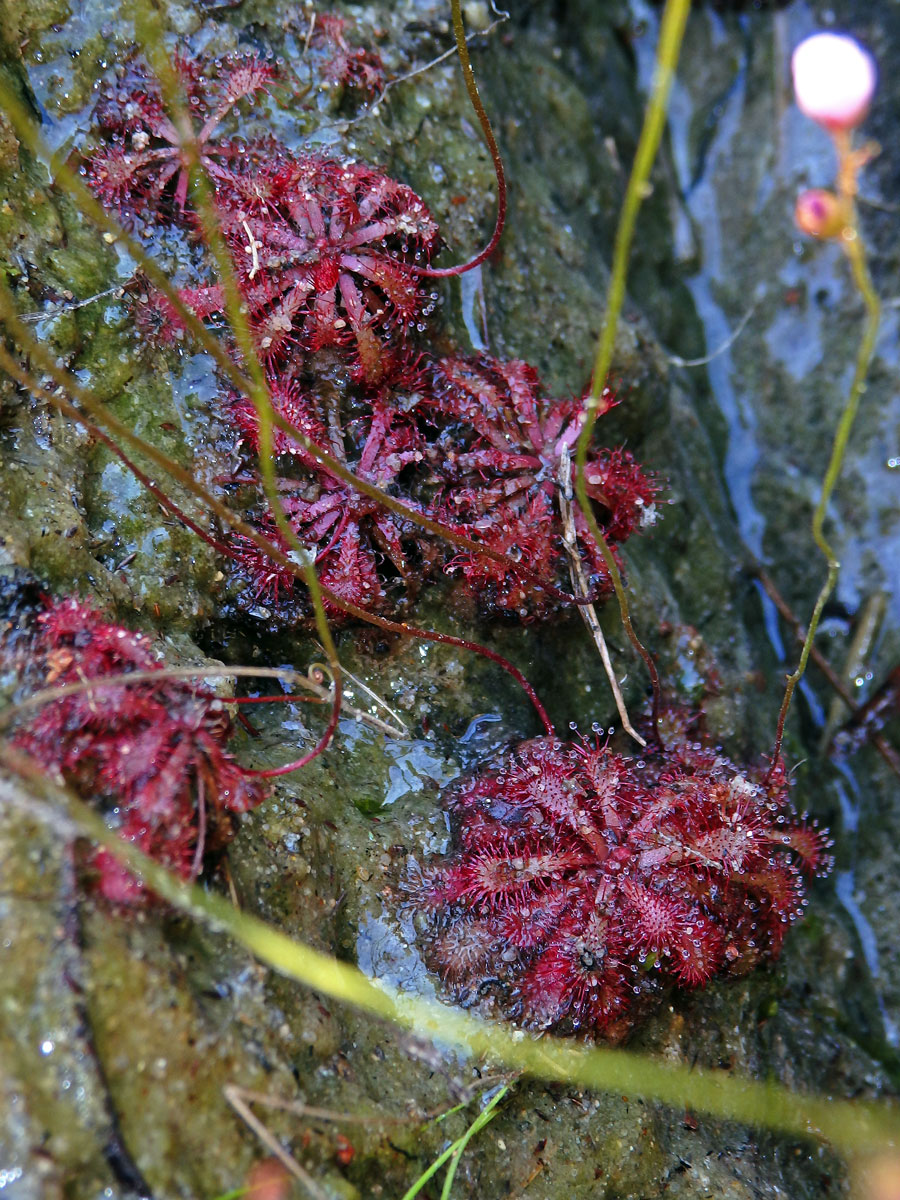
[834,80]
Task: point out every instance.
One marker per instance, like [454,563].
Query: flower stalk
[839,222]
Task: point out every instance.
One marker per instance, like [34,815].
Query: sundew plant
[449,600]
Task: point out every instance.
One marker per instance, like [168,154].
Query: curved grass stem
[671,35]
[462,50]
[854,248]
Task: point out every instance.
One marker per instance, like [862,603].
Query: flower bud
[834,80]
[819,213]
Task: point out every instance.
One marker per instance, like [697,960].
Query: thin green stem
[429,1173]
[149,32]
[671,35]
[484,1117]
[454,1152]
[855,250]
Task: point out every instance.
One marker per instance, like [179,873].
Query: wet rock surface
[118,1033]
